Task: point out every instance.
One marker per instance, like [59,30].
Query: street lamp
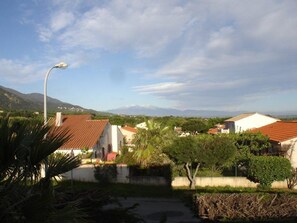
[61,65]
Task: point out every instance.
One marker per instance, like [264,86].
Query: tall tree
[186,151]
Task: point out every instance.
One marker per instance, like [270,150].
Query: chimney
[59,120]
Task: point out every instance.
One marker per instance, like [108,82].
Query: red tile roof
[279,131]
[213,131]
[130,129]
[84,132]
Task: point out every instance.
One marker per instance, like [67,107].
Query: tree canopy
[194,152]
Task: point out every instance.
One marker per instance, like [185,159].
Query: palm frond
[61,163]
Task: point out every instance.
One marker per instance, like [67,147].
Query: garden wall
[86,173]
[222,182]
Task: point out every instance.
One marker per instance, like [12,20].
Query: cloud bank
[202,54]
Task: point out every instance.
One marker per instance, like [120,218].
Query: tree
[220,151]
[202,150]
[248,144]
[195,125]
[24,195]
[149,143]
[186,151]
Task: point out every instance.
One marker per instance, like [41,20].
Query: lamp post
[61,65]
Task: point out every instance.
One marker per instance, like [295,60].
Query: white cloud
[18,71]
[199,53]
[144,27]
[61,20]
[160,88]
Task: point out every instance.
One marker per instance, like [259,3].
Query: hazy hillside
[13,100]
[156,111]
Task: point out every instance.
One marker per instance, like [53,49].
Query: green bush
[105,173]
[204,172]
[152,171]
[266,169]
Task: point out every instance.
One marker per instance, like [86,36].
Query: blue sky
[218,55]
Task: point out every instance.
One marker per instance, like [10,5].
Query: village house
[247,121]
[97,137]
[128,133]
[283,138]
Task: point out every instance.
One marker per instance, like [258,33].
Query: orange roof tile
[213,131]
[130,129]
[84,132]
[279,131]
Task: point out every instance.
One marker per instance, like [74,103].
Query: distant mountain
[13,100]
[156,111]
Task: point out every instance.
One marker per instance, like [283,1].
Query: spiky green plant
[25,196]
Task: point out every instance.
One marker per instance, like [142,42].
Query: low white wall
[222,182]
[122,173]
[86,173]
[82,173]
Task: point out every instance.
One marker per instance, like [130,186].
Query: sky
[226,55]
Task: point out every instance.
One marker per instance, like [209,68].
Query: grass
[123,190]
[134,190]
[182,193]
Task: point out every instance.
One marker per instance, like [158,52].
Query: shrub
[152,171]
[105,173]
[292,180]
[266,169]
[209,173]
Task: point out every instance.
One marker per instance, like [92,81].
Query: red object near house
[111,156]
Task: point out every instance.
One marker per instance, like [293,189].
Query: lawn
[135,190]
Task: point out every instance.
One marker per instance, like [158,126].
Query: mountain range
[11,99]
[157,111]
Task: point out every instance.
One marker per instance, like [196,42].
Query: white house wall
[253,121]
[104,141]
[128,135]
[117,139]
[292,152]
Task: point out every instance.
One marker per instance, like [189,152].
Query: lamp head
[61,65]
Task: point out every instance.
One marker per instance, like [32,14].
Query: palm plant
[25,196]
[149,143]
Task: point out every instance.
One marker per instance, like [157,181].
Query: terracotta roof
[279,131]
[213,131]
[84,131]
[130,129]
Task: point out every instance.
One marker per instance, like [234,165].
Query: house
[141,125]
[97,137]
[247,121]
[219,128]
[128,133]
[283,138]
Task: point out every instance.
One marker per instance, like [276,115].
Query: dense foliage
[105,173]
[25,196]
[267,169]
[149,142]
[214,152]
